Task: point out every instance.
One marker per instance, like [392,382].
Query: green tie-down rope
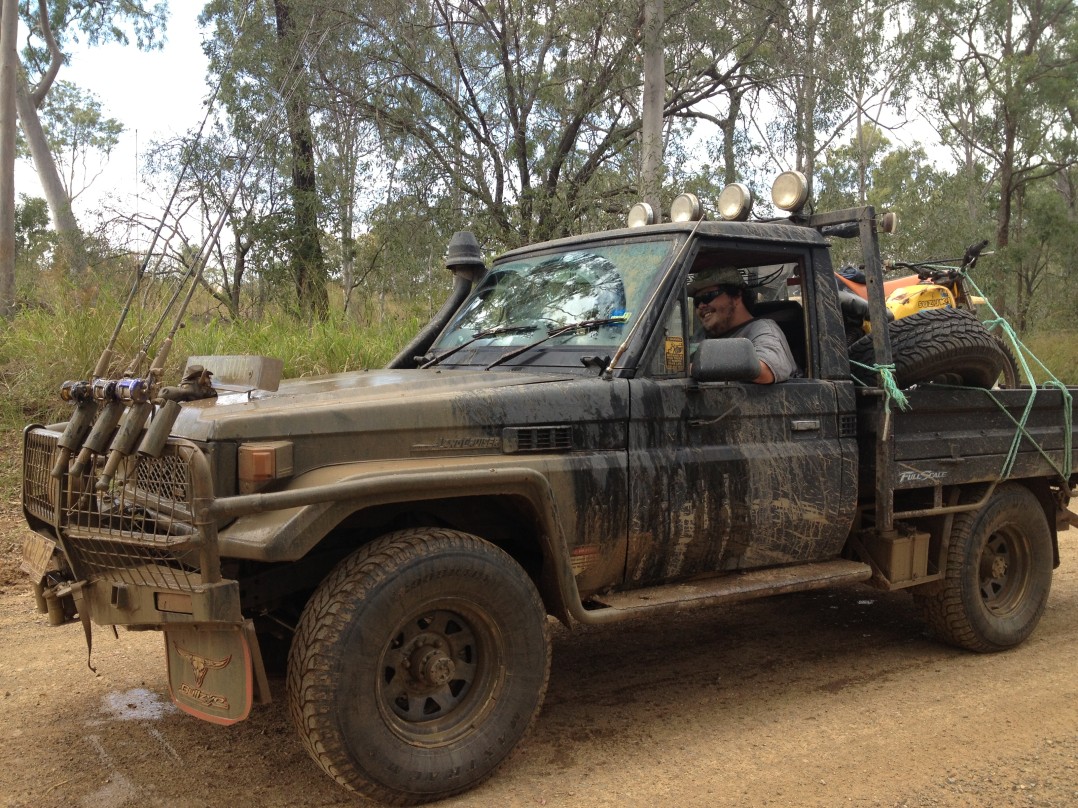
[1021,352]
[888,383]
[892,393]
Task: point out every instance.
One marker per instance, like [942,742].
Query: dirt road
[823,699]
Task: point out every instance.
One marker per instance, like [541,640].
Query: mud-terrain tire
[999,573]
[418,665]
[1011,379]
[945,346]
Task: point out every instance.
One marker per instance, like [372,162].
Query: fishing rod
[98,396]
[126,403]
[141,394]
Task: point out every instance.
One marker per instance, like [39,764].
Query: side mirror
[725,360]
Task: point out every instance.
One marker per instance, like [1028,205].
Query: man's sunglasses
[707,297]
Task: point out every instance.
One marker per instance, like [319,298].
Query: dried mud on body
[817,699]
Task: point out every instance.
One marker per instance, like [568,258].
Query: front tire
[999,573]
[418,665]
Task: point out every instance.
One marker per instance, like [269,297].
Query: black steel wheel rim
[439,673]
[1004,571]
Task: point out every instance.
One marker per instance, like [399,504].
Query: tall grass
[1058,351]
[328,346]
[45,345]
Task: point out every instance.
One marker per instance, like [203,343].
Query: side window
[669,356]
[774,283]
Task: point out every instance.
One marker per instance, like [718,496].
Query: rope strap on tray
[893,394]
[1021,353]
[888,383]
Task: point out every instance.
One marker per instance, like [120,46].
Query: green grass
[331,346]
[40,348]
[1057,351]
[43,346]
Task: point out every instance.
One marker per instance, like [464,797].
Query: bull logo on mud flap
[200,664]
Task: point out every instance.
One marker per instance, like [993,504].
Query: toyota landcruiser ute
[559,443]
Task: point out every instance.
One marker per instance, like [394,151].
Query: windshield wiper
[490,332]
[557,332]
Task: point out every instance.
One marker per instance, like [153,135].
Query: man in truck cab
[724,303]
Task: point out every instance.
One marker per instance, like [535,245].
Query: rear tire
[945,346]
[999,573]
[418,665]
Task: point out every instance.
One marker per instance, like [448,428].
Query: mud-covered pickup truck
[558,442]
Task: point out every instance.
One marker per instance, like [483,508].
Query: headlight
[790,191]
[686,208]
[735,202]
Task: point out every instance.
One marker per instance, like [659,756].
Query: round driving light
[790,191]
[686,208]
[735,202]
[889,223]
[641,214]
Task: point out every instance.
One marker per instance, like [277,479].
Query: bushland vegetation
[346,142]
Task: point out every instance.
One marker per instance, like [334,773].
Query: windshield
[523,301]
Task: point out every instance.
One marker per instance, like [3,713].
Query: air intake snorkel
[465,260]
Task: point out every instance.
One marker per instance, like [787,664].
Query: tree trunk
[67,228]
[728,127]
[654,92]
[808,99]
[308,262]
[9,70]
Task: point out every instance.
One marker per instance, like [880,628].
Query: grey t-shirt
[770,344]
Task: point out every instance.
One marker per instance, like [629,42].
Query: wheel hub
[993,566]
[430,666]
[999,567]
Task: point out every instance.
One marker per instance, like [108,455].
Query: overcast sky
[154,95]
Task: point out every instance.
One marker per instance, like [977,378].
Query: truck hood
[349,402]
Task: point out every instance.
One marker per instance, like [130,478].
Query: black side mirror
[726,360]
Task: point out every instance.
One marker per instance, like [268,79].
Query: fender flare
[269,523]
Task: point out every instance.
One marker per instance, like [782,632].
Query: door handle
[805,426]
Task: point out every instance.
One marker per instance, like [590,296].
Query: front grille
[140,531]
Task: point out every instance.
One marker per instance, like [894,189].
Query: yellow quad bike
[933,305]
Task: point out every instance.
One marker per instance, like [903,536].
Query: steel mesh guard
[140,531]
[40,491]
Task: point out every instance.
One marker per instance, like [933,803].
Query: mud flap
[210,672]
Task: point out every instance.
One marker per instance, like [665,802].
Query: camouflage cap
[717,276]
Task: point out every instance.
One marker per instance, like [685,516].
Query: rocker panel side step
[733,586]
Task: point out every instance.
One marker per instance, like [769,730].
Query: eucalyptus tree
[51,29]
[79,135]
[834,66]
[901,179]
[1044,225]
[1006,101]
[33,236]
[724,72]
[525,113]
[217,176]
[349,165]
[260,55]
